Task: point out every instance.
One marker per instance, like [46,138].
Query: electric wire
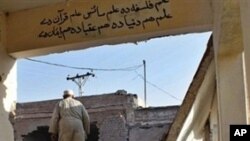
[154,85]
[131,68]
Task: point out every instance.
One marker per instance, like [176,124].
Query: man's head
[68,93]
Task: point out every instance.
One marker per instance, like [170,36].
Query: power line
[80,80]
[157,87]
[131,68]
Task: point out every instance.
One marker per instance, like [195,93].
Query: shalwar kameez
[70,121]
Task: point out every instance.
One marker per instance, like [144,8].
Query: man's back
[71,120]
[71,108]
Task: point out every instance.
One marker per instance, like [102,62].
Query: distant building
[114,117]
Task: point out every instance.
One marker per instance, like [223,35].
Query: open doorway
[41,134]
[94,132]
[171,63]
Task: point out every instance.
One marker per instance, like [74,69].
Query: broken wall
[114,117]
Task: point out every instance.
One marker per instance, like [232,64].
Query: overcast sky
[171,63]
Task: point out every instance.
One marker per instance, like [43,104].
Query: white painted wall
[228,44]
[8,86]
[193,127]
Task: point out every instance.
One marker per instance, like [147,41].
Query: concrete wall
[155,115]
[114,128]
[116,116]
[151,124]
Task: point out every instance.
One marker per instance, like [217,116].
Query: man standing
[70,120]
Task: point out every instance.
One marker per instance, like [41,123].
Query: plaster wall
[213,119]
[8,85]
[245,20]
[228,44]
[80,24]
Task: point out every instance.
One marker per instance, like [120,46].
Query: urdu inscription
[60,29]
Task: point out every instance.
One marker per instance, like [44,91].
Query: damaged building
[114,117]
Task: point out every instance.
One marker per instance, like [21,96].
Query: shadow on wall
[2,94]
[42,134]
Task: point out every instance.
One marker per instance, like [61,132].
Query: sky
[171,63]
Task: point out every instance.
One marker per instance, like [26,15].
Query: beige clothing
[70,121]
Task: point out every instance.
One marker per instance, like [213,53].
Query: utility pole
[145,83]
[80,80]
